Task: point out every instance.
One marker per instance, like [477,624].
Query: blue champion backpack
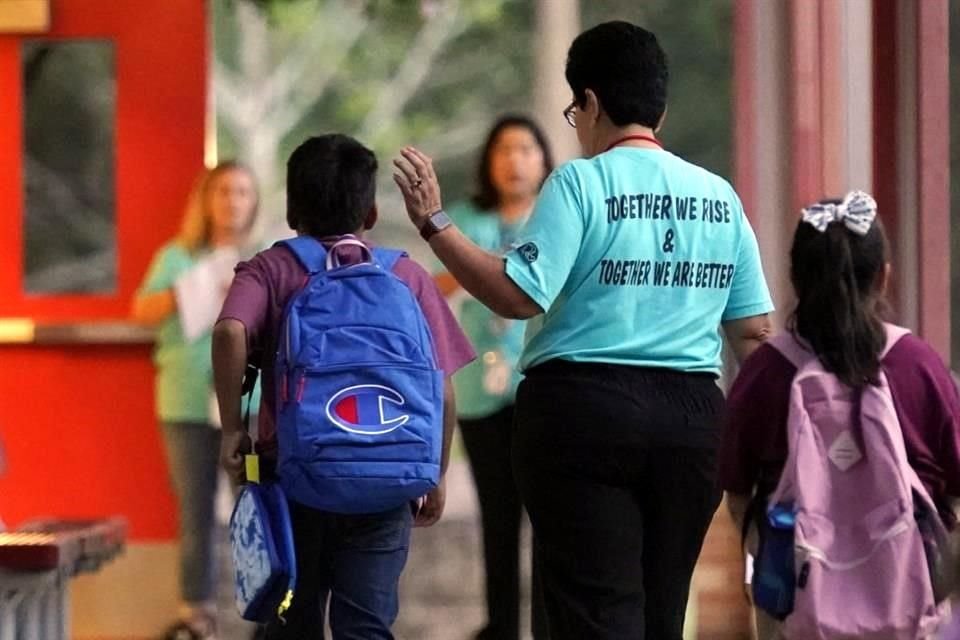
[360,397]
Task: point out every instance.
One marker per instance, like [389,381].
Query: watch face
[440,220]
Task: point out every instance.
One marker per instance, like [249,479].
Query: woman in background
[219,215]
[514,163]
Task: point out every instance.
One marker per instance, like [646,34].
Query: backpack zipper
[901,526]
[301,384]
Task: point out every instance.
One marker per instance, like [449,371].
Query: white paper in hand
[200,292]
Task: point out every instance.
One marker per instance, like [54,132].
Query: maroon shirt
[258,298]
[754,445]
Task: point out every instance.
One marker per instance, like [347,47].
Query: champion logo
[368,409]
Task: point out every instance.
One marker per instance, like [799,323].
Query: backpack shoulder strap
[388,257]
[310,252]
[894,333]
[798,354]
[792,349]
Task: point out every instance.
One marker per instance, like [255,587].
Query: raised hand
[418,184]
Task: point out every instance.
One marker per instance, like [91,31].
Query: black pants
[616,466]
[488,441]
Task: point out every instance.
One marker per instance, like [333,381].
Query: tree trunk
[556,24]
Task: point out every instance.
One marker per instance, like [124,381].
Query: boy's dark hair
[331,185]
[487,197]
[624,65]
[836,275]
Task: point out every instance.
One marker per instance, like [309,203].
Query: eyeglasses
[569,112]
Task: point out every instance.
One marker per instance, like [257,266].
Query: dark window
[69,107]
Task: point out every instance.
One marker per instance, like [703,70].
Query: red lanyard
[634,137]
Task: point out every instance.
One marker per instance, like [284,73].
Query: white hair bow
[857,212]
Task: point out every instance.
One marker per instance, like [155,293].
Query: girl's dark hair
[837,275]
[487,197]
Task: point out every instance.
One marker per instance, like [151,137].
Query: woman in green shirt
[514,163]
[219,215]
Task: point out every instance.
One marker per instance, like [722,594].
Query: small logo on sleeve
[529,252]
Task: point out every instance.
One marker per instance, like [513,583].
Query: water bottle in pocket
[774,578]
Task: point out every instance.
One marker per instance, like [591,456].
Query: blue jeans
[193,451]
[355,561]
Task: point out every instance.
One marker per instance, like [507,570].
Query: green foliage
[485,70]
[696,36]
[480,73]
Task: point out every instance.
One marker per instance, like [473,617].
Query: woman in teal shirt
[220,213]
[631,264]
[514,162]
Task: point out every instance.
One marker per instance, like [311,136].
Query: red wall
[78,422]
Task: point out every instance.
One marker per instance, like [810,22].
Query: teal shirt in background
[489,383]
[636,256]
[184,379]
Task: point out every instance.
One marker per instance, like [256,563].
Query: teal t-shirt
[636,256]
[489,383]
[184,380]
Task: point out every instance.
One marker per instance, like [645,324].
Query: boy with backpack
[357,346]
[843,437]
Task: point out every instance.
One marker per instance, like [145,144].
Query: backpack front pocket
[377,414]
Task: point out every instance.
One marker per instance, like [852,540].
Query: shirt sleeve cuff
[227,314]
[747,311]
[451,370]
[523,280]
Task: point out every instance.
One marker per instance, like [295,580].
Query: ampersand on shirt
[668,242]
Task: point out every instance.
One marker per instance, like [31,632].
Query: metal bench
[36,564]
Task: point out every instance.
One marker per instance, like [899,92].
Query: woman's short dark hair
[624,65]
[836,275]
[487,197]
[331,185]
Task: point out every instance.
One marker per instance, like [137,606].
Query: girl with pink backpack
[840,448]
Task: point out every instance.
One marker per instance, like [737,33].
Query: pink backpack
[860,563]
